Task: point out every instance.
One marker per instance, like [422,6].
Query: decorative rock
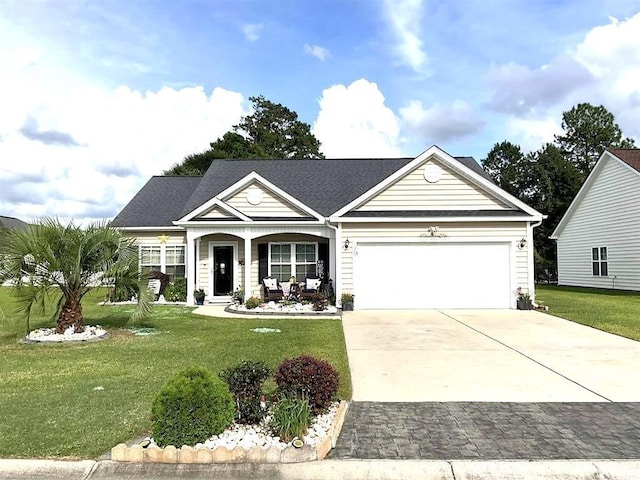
[119,452]
[170,454]
[187,454]
[153,454]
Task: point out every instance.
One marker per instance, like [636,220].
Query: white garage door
[414,276]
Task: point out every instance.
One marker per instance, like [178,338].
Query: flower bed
[243,444]
[91,332]
[282,309]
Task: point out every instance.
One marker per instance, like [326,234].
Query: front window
[169,259]
[599,261]
[298,259]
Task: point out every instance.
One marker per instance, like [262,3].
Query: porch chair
[311,287]
[272,291]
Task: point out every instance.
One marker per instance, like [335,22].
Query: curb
[188,455]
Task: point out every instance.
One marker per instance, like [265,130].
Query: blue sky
[97,96]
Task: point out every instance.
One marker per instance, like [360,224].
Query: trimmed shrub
[252,302]
[191,406]
[319,302]
[290,417]
[245,381]
[176,291]
[310,378]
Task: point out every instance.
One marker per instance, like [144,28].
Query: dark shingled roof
[325,185]
[630,156]
[12,222]
[158,203]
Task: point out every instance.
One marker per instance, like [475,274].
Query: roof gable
[608,156]
[630,156]
[469,177]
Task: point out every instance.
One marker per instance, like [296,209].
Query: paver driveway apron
[487,355]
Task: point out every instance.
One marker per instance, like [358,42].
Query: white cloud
[603,69]
[441,123]
[252,31]
[404,17]
[317,51]
[354,122]
[84,151]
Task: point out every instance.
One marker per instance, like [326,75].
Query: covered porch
[224,259]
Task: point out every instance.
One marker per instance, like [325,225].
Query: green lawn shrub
[176,290]
[252,302]
[191,406]
[245,381]
[310,378]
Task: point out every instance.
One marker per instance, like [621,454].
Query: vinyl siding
[413,192]
[216,212]
[271,205]
[151,238]
[608,216]
[499,231]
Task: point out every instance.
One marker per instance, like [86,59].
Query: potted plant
[237,297]
[523,302]
[347,302]
[199,295]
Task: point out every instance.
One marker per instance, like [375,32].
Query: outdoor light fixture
[346,244]
[522,243]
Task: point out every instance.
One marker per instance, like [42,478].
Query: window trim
[163,255]
[292,261]
[597,261]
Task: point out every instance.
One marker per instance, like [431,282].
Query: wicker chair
[312,285]
[272,290]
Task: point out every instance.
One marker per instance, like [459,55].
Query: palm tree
[65,262]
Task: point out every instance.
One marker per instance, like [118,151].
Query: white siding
[413,192]
[216,212]
[608,216]
[152,238]
[498,231]
[270,206]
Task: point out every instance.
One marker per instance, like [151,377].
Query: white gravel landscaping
[247,436]
[273,307]
[91,332]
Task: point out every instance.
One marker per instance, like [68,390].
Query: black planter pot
[347,307]
[523,304]
[199,300]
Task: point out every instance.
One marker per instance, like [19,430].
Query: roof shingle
[630,156]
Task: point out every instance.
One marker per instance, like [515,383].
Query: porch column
[247,267]
[196,280]
[338,256]
[191,268]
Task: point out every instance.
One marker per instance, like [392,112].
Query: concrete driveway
[487,355]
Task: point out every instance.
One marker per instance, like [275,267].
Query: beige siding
[413,192]
[500,231]
[608,216]
[271,205]
[147,238]
[216,212]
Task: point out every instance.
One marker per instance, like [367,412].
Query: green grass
[613,311]
[48,403]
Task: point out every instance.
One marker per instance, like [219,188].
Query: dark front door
[222,270]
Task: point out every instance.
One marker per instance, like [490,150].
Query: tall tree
[504,164]
[271,131]
[50,260]
[588,131]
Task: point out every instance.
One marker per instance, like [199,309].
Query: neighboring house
[425,232]
[11,222]
[598,237]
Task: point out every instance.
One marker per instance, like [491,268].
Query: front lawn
[79,400]
[613,311]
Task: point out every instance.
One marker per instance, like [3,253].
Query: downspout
[338,256]
[531,286]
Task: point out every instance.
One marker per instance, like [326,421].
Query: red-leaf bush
[310,378]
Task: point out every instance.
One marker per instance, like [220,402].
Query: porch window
[286,259]
[169,259]
[599,261]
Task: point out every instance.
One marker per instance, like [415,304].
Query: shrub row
[195,404]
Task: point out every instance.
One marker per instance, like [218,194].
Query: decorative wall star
[163,238]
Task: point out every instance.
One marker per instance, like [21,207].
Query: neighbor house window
[287,259]
[169,259]
[599,261]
